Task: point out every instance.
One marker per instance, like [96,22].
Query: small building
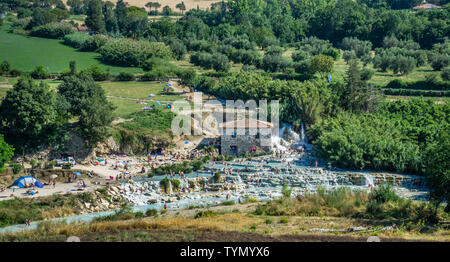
[426,6]
[245,136]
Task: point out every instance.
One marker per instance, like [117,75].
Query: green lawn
[139,90]
[25,53]
[135,90]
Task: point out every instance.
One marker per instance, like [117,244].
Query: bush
[124,76]
[94,42]
[96,73]
[16,168]
[126,52]
[207,213]
[367,74]
[439,61]
[383,194]
[53,30]
[284,220]
[446,74]
[40,73]
[76,40]
[286,191]
[151,213]
[217,177]
[5,67]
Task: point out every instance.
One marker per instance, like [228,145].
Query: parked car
[64,161]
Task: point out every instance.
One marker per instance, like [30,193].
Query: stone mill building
[245,136]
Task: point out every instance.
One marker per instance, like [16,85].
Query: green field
[25,53]
[127,91]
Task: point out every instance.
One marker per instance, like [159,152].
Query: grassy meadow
[25,53]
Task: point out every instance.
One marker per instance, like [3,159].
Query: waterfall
[369,179]
[302,134]
[170,188]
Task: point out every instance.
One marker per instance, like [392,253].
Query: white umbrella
[53,176]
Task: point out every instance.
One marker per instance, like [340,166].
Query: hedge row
[411,92]
[422,85]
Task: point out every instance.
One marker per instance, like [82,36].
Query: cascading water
[170,188]
[302,135]
[368,179]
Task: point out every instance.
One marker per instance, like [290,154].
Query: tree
[88,101]
[321,64]
[121,16]
[156,5]
[95,117]
[356,95]
[6,153]
[5,67]
[76,7]
[73,67]
[166,10]
[181,6]
[28,114]
[95,19]
[111,25]
[437,168]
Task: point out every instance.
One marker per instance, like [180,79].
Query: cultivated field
[190,4]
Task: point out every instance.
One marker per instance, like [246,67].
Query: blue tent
[26,181]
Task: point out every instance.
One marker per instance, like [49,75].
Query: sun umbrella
[159,103]
[77,173]
[14,187]
[169,85]
[151,95]
[187,142]
[53,176]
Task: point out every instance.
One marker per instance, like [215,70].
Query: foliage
[32,116]
[40,73]
[16,168]
[321,64]
[76,40]
[6,152]
[394,138]
[53,30]
[124,76]
[132,53]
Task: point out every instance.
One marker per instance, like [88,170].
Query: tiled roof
[246,123]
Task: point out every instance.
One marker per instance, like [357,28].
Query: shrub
[383,194]
[367,74]
[284,220]
[5,67]
[439,61]
[16,168]
[53,30]
[269,221]
[151,213]
[93,43]
[217,177]
[126,52]
[40,73]
[76,39]
[207,213]
[97,73]
[124,76]
[446,74]
[286,191]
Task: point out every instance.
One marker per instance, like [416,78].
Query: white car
[68,160]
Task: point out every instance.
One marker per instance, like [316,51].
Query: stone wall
[244,143]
